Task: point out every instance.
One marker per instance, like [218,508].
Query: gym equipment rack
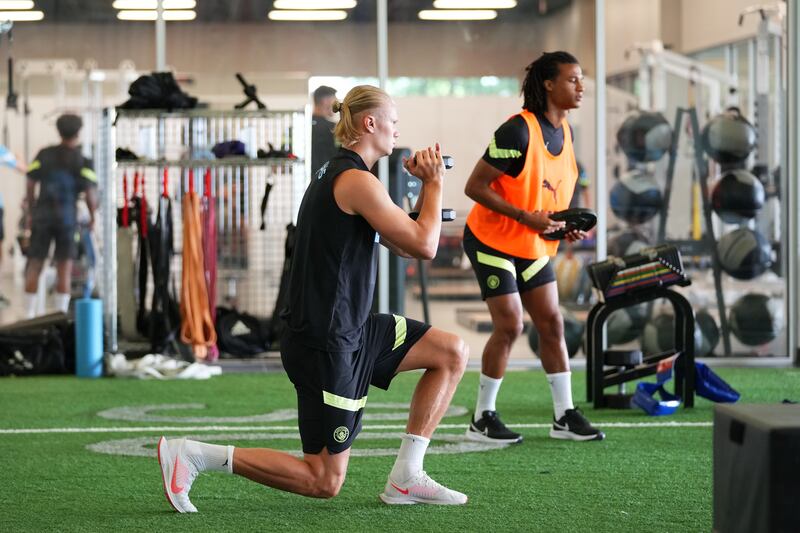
[250,261]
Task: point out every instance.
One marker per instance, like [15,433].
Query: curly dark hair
[544,68]
[69,126]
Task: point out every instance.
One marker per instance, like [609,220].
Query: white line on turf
[166,429]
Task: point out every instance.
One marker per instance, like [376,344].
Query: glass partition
[716,195]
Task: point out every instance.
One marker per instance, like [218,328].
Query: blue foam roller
[88,338]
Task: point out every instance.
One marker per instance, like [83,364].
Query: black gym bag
[240,334]
[278,323]
[158,90]
[44,345]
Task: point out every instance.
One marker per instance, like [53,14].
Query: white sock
[561,389]
[31,299]
[211,457]
[61,301]
[487,395]
[410,457]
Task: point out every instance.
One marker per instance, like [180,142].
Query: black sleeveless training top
[334,265]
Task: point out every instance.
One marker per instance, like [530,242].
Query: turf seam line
[155,429]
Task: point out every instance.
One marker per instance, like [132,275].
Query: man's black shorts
[499,273]
[2,226]
[43,232]
[332,386]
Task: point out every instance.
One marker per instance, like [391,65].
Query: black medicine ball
[645,136]
[573,334]
[744,253]
[729,137]
[737,195]
[626,243]
[659,334]
[636,197]
[756,319]
[626,324]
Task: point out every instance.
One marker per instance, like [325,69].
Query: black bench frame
[597,378]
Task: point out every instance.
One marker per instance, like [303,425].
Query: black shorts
[43,232]
[332,386]
[499,273]
[2,226]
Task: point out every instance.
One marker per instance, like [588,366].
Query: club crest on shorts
[340,434]
[492,282]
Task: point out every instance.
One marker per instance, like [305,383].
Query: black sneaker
[574,426]
[490,429]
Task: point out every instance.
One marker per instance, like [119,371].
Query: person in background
[323,145]
[61,173]
[581,197]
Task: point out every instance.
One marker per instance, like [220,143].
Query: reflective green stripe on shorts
[340,402]
[499,262]
[400,330]
[35,165]
[89,174]
[535,267]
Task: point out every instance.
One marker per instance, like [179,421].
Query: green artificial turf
[638,479]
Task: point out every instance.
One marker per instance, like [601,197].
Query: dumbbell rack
[598,378]
[708,245]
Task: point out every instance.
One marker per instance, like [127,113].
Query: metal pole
[600,127]
[26,123]
[789,175]
[161,38]
[383,163]
[106,167]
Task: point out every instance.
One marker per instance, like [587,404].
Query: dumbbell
[446,159]
[448,215]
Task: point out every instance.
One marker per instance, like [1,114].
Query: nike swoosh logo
[401,491]
[225,463]
[174,483]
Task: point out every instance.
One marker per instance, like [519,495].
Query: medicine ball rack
[708,245]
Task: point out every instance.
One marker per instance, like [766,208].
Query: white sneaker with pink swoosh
[178,473]
[420,488]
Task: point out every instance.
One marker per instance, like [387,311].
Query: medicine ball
[636,197]
[744,253]
[729,137]
[737,195]
[573,334]
[659,335]
[572,279]
[709,332]
[756,319]
[626,243]
[626,324]
[645,136]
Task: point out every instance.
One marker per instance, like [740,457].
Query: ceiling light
[21,16]
[153,4]
[16,4]
[474,4]
[457,14]
[171,15]
[307,15]
[314,4]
